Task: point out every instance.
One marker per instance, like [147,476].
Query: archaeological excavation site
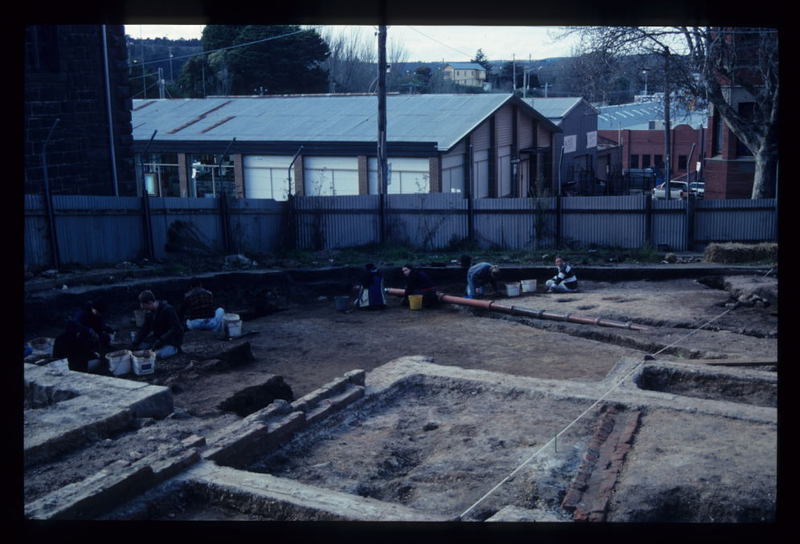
[649,396]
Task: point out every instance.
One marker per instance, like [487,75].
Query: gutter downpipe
[491,305]
[112,144]
[148,225]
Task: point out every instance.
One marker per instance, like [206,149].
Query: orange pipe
[539,314]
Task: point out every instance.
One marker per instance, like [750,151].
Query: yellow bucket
[415,302]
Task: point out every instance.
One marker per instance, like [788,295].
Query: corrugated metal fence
[95,230]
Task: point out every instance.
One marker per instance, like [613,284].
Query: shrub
[729,253]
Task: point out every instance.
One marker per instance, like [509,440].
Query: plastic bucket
[119,362]
[415,302]
[143,362]
[342,304]
[512,289]
[232,325]
[138,317]
[528,286]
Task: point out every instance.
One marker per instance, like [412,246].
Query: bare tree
[351,64]
[717,64]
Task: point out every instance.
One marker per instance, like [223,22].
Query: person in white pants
[565,280]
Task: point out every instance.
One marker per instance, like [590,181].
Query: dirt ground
[310,344]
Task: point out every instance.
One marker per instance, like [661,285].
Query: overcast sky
[429,43]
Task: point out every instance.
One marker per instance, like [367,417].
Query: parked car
[679,189]
[698,188]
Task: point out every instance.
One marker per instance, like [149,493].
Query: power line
[440,43]
[220,49]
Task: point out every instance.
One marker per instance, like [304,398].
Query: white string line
[595,403]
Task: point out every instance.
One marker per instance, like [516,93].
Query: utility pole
[161,83]
[513,74]
[383,182]
[667,131]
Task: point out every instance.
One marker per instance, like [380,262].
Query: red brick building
[730,166]
[645,148]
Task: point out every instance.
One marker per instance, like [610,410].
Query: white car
[698,188]
[677,189]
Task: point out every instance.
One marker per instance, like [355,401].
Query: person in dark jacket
[565,280]
[370,294]
[419,283]
[479,276]
[86,337]
[199,310]
[162,330]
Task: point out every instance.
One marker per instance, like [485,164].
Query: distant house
[469,74]
[483,145]
[77,95]
[575,147]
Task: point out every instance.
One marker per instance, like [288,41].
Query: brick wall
[71,87]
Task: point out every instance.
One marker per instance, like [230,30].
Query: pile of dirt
[732,253]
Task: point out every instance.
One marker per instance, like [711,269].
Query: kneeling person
[565,280]
[162,330]
[198,309]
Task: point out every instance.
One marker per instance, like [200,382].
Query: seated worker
[198,309]
[86,337]
[419,283]
[565,280]
[479,276]
[370,295]
[162,331]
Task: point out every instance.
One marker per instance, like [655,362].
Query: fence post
[148,226]
[223,216]
[558,221]
[648,219]
[690,205]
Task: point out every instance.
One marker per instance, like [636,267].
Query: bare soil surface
[310,344]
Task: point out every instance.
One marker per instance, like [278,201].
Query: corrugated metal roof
[441,118]
[637,116]
[555,108]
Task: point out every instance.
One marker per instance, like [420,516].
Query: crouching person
[162,330]
[199,310]
[565,280]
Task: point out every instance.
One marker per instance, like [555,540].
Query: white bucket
[143,362]
[119,362]
[232,325]
[528,286]
[512,289]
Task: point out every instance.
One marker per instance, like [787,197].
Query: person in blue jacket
[370,294]
[479,276]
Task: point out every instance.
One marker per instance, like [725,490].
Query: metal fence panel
[256,225]
[97,229]
[669,224]
[505,222]
[738,220]
[328,222]
[427,220]
[36,242]
[201,213]
[607,221]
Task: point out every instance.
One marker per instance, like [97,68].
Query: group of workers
[370,293]
[88,336]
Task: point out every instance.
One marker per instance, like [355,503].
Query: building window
[682,163]
[658,161]
[634,161]
[645,161]
[160,174]
[716,135]
[211,175]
